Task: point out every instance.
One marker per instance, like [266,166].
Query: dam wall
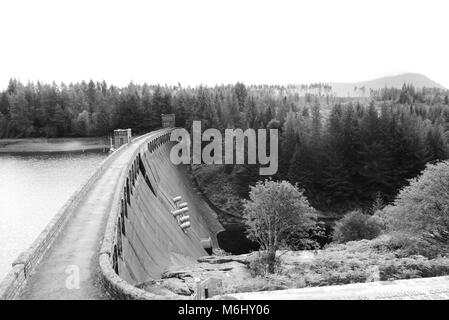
[143,238]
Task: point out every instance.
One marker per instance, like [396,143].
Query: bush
[361,261]
[328,271]
[312,239]
[419,214]
[259,265]
[254,285]
[414,267]
[365,261]
[272,212]
[357,226]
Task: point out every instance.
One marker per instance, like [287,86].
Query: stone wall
[24,265]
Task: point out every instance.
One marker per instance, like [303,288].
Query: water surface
[32,189]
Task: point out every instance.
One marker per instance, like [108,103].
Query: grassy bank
[37,145]
[362,261]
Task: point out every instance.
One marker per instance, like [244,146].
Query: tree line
[95,108]
[344,152]
[360,153]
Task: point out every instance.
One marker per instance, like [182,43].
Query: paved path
[78,243]
[414,289]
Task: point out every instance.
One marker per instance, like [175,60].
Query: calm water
[32,189]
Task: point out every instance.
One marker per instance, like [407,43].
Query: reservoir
[33,186]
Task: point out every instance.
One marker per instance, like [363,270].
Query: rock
[231,270]
[219,269]
[154,287]
[243,258]
[177,286]
[180,274]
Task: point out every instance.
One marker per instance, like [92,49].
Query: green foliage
[273,210]
[369,260]
[253,285]
[300,239]
[259,265]
[414,267]
[220,187]
[361,261]
[360,151]
[420,212]
[378,204]
[357,226]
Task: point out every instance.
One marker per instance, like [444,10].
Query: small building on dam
[121,137]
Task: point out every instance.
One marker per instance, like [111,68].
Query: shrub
[254,285]
[367,260]
[384,217]
[259,265]
[382,258]
[312,239]
[414,267]
[419,213]
[357,226]
[274,209]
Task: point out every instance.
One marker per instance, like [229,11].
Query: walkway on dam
[78,244]
[436,288]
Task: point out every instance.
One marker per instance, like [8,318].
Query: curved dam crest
[151,237]
[118,231]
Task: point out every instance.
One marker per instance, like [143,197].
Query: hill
[358,89]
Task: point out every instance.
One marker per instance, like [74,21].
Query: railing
[110,249]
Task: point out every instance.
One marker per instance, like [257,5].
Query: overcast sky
[210,41]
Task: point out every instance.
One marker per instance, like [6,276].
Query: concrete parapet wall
[24,265]
[12,283]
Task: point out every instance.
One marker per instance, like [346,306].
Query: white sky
[222,41]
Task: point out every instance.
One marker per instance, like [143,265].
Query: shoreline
[53,145]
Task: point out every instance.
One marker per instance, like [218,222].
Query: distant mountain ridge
[358,89]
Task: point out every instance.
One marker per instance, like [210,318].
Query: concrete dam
[136,216]
[128,223]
